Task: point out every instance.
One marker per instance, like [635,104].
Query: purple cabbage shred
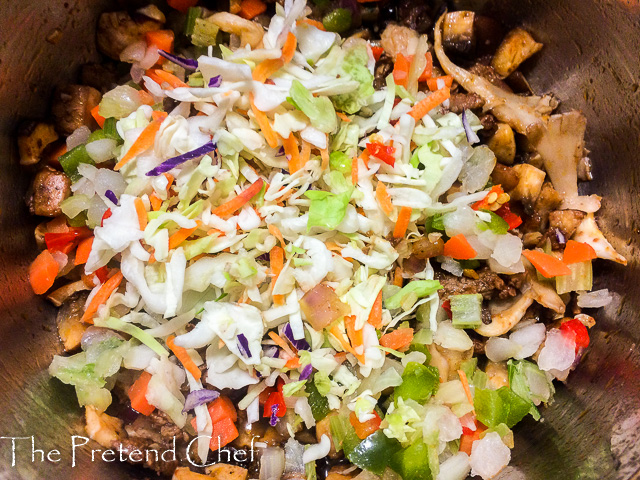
[199,397]
[111,196]
[215,81]
[471,135]
[243,346]
[306,372]
[180,159]
[186,63]
[273,420]
[299,344]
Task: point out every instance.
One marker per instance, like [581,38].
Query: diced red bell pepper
[275,404]
[106,215]
[484,203]
[382,152]
[364,429]
[446,306]
[65,241]
[377,52]
[576,331]
[182,5]
[508,216]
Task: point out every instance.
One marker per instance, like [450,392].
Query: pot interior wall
[590,62]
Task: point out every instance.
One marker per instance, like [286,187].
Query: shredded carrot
[375,317]
[293,363]
[382,195]
[343,117]
[355,336]
[398,339]
[265,126]
[165,77]
[276,259]
[427,104]
[156,202]
[432,83]
[279,341]
[291,148]
[141,211]
[182,355]
[180,236]
[289,48]
[337,333]
[250,9]
[162,39]
[275,231]
[102,296]
[354,170]
[146,98]
[397,276]
[401,70]
[302,158]
[170,179]
[83,251]
[465,385]
[578,252]
[236,203]
[402,223]
[143,143]
[548,265]
[266,68]
[313,23]
[324,153]
[97,117]
[428,69]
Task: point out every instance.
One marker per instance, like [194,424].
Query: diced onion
[596,299]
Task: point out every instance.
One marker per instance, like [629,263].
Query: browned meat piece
[488,284]
[416,15]
[413,265]
[458,33]
[425,248]
[101,76]
[490,74]
[459,102]
[479,343]
[49,188]
[118,30]
[566,221]
[155,432]
[384,66]
[71,107]
[488,122]
[32,139]
[505,176]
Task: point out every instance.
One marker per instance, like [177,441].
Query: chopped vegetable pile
[272,245]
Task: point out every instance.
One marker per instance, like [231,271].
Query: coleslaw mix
[252,237]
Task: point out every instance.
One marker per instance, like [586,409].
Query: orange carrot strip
[291,148]
[162,39]
[293,363]
[156,202]
[428,69]
[354,335]
[402,223]
[397,339]
[143,143]
[276,259]
[382,195]
[165,77]
[141,211]
[313,23]
[170,179]
[465,385]
[42,272]
[289,48]
[432,83]
[180,236]
[397,277]
[265,126]
[275,231]
[427,104]
[548,265]
[97,117]
[343,117]
[250,9]
[236,203]
[375,317]
[459,248]
[83,251]
[354,170]
[102,296]
[182,355]
[324,153]
[146,98]
[266,68]
[337,333]
[281,343]
[137,394]
[578,252]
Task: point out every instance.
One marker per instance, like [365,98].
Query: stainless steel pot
[590,61]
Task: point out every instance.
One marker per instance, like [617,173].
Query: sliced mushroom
[62,294]
[503,144]
[546,295]
[506,319]
[103,428]
[71,107]
[458,31]
[524,114]
[530,180]
[32,140]
[117,30]
[516,47]
[70,324]
[48,190]
[589,232]
[250,33]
